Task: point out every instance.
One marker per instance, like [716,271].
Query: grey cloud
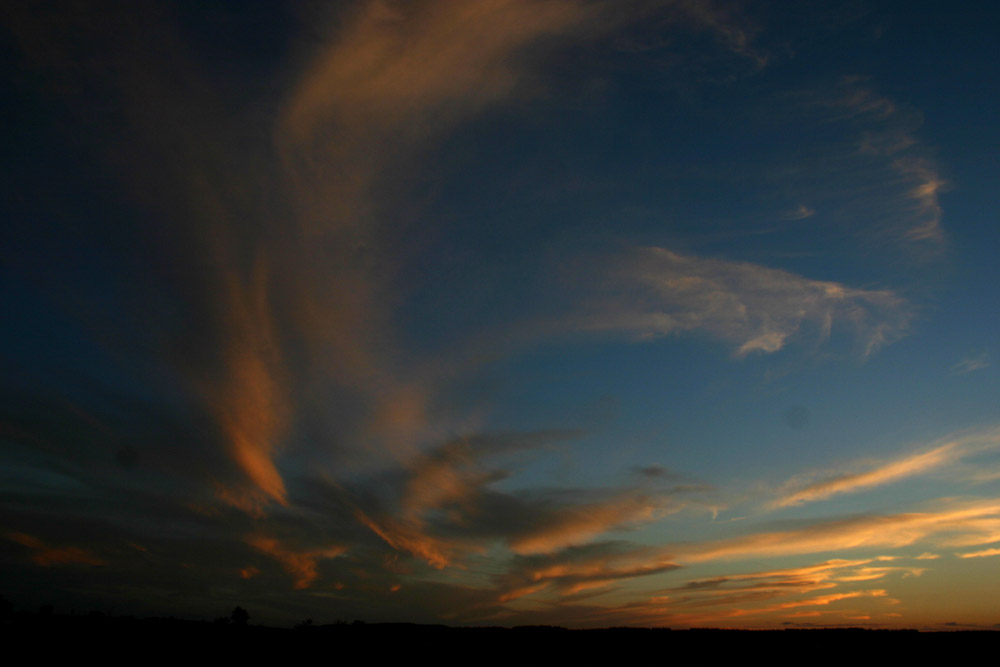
[656,292]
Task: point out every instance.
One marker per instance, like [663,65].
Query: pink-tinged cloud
[47,555]
[300,564]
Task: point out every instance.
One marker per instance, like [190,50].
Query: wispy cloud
[800,213]
[756,308]
[810,577]
[733,31]
[413,537]
[300,564]
[446,505]
[971,364]
[576,569]
[980,554]
[912,465]
[952,523]
[47,555]
[892,471]
[572,524]
[902,184]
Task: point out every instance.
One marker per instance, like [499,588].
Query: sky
[669,313]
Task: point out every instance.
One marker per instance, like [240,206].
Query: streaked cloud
[973,522]
[447,505]
[568,525]
[810,577]
[756,308]
[890,471]
[893,471]
[971,364]
[300,564]
[412,537]
[866,169]
[388,65]
[924,186]
[47,555]
[733,30]
[980,554]
[908,182]
[576,569]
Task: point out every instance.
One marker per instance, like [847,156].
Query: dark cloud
[575,569]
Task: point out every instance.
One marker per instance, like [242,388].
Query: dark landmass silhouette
[234,636]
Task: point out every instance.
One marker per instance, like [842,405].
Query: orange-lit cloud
[411,537]
[981,554]
[818,601]
[300,564]
[390,77]
[449,476]
[251,404]
[389,66]
[446,508]
[925,186]
[742,594]
[892,471]
[46,555]
[969,522]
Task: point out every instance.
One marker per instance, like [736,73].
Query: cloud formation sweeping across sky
[499,311]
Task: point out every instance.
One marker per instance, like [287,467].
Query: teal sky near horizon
[501,312]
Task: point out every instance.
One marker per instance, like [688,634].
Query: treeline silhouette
[235,634]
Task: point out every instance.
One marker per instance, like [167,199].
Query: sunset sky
[502,312]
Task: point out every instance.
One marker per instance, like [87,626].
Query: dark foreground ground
[119,639]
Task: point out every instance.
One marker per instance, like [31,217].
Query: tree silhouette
[240,616]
